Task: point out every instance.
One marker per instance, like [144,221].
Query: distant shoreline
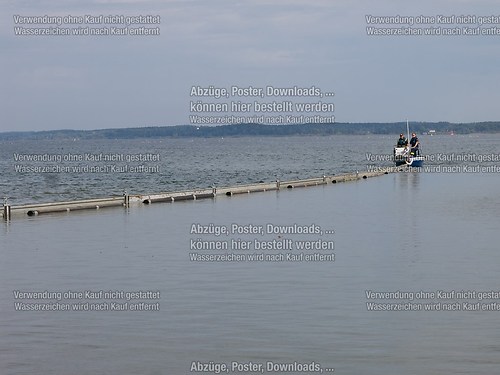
[244,130]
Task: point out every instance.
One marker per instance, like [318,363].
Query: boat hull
[402,157]
[417,161]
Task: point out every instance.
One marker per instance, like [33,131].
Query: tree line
[241,130]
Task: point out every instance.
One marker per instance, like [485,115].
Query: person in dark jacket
[415,145]
[402,141]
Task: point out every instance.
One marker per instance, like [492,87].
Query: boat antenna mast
[407,130]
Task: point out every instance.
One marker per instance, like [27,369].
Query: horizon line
[260,124]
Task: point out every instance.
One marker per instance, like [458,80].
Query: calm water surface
[400,232]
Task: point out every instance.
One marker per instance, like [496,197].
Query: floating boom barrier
[126,200]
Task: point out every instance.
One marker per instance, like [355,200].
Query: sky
[95,82]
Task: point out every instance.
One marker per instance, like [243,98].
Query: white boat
[403,155]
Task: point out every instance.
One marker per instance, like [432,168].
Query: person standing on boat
[402,141]
[415,144]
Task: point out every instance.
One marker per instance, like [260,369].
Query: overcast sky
[92,82]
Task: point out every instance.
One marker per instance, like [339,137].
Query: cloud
[257,42]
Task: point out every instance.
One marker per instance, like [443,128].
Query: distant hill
[242,130]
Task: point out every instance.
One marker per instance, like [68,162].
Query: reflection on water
[409,232]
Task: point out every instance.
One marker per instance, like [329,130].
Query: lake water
[429,239]
[202,163]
